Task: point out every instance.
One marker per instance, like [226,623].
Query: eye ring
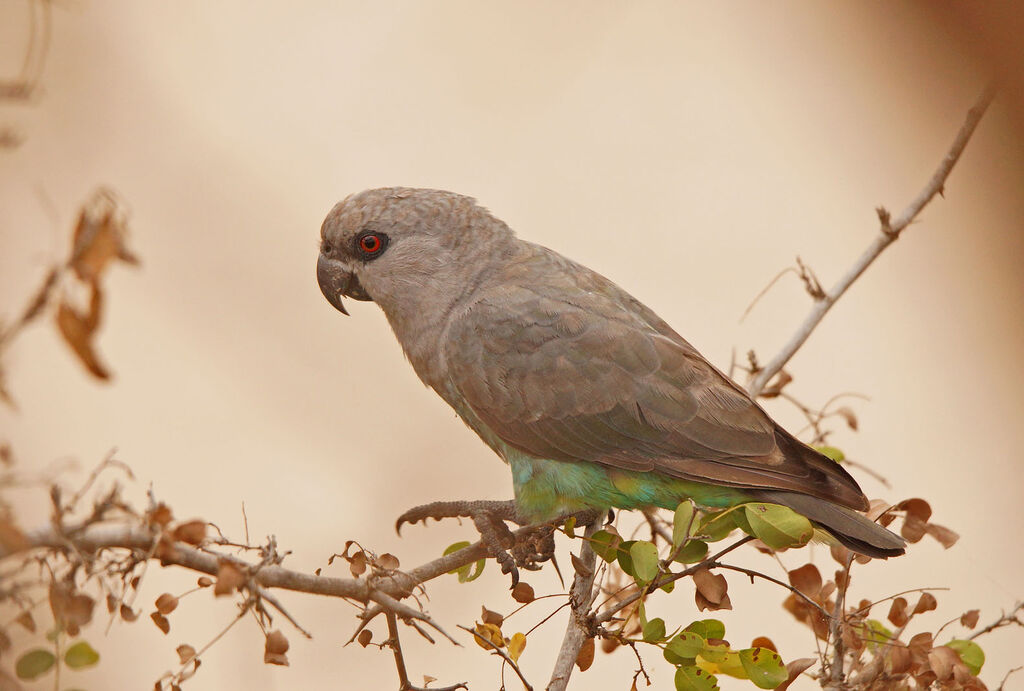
[371,244]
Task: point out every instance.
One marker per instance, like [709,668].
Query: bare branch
[577,630]
[890,230]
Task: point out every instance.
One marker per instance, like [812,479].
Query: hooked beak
[335,280]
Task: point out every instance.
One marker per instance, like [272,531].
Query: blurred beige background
[689,151]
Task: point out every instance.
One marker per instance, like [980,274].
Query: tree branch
[577,630]
[890,230]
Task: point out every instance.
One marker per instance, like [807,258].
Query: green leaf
[80,655]
[669,587]
[605,545]
[831,452]
[570,526]
[624,558]
[707,628]
[654,630]
[469,572]
[763,667]
[690,678]
[970,652]
[716,526]
[778,526]
[683,648]
[34,663]
[725,661]
[683,523]
[644,556]
[692,552]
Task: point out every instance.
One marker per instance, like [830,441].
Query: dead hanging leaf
[970,618]
[579,567]
[71,610]
[166,603]
[898,612]
[364,637]
[229,578]
[388,561]
[489,617]
[357,563]
[185,653]
[274,649]
[919,646]
[127,614]
[926,603]
[161,622]
[160,515]
[711,591]
[190,532]
[204,581]
[942,660]
[900,659]
[946,537]
[26,620]
[78,330]
[806,579]
[794,669]
[100,236]
[586,655]
[848,415]
[764,642]
[6,455]
[523,593]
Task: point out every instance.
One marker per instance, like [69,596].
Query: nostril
[325,248]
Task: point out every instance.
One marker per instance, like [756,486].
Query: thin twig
[403,674]
[890,230]
[1003,620]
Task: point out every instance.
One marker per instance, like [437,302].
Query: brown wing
[577,370]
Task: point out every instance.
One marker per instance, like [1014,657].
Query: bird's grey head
[406,249]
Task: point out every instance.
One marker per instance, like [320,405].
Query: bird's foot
[528,550]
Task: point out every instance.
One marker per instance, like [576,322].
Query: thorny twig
[889,231]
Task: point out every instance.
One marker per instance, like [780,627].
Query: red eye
[371,244]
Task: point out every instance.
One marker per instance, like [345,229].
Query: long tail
[852,529]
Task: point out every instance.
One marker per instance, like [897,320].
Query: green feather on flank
[548,489]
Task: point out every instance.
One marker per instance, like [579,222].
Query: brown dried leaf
[491,633]
[229,578]
[26,620]
[166,603]
[898,612]
[489,617]
[364,637]
[185,653]
[161,622]
[191,532]
[794,669]
[71,610]
[357,563]
[925,603]
[6,455]
[112,603]
[127,614]
[523,592]
[276,642]
[806,579]
[913,528]
[970,618]
[919,646]
[900,659]
[608,645]
[78,330]
[916,507]
[388,561]
[204,581]
[100,236]
[586,655]
[160,515]
[847,414]
[944,535]
[579,567]
[12,539]
[942,660]
[764,642]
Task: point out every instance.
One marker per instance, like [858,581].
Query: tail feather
[852,529]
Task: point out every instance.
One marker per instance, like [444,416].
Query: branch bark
[890,230]
[577,629]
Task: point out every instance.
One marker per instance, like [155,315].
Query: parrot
[592,400]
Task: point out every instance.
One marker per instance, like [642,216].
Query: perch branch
[890,230]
